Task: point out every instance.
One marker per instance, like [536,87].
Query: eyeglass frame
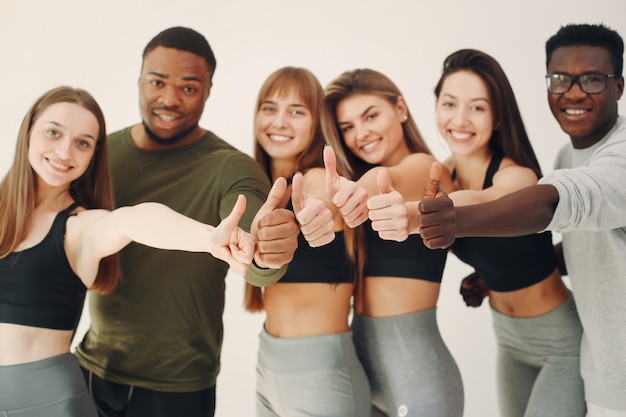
[576,79]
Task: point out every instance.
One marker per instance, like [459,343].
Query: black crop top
[38,286]
[407,259]
[326,264]
[507,263]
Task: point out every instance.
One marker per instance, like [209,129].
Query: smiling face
[586,118]
[464,114]
[284,129]
[372,128]
[61,144]
[173,88]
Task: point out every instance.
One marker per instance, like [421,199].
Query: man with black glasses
[584,198]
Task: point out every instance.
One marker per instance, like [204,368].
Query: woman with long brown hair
[307,363]
[58,239]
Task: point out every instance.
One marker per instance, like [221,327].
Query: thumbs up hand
[315,218]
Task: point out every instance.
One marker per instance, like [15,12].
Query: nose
[360,131]
[575,92]
[280,120]
[170,96]
[63,148]
[459,118]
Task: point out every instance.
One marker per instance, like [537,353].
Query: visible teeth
[575,111]
[280,138]
[460,135]
[58,165]
[166,118]
[369,146]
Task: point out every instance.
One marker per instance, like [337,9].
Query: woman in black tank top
[478,117]
[58,238]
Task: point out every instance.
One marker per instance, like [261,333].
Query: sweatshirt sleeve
[592,196]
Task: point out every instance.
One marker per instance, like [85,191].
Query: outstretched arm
[523,212]
[102,233]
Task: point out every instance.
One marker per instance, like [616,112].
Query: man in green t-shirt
[153,348]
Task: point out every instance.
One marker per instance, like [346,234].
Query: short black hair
[184,39]
[589,35]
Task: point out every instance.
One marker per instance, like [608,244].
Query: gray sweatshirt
[591,214]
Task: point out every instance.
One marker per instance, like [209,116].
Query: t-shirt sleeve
[242,175]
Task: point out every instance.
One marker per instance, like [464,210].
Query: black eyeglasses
[590,83]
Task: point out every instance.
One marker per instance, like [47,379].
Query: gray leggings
[538,367]
[310,376]
[411,371]
[52,387]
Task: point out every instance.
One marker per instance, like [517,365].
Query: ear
[496,126]
[208,90]
[620,87]
[402,109]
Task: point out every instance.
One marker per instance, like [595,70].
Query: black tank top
[408,259]
[328,263]
[507,263]
[38,286]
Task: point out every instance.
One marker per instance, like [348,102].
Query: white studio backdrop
[97,45]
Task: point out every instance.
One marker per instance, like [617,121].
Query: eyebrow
[188,78]
[362,114]
[288,105]
[87,135]
[472,99]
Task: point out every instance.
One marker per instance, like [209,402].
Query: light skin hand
[315,218]
[387,211]
[232,244]
[349,198]
[275,230]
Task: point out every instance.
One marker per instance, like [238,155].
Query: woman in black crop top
[491,156]
[535,320]
[306,361]
[411,371]
[58,237]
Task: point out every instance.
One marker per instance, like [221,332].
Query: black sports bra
[407,259]
[507,263]
[328,263]
[38,285]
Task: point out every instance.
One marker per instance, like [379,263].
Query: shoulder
[514,174]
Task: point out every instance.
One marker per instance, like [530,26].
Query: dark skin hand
[473,290]
[521,213]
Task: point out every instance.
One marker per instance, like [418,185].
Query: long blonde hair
[18,190]
[361,81]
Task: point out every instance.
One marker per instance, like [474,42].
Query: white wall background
[97,45]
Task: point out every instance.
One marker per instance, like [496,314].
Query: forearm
[158,226]
[527,211]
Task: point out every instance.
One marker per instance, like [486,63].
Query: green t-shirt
[161,327]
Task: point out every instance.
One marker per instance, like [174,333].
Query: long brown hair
[18,190]
[282,82]
[361,81]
